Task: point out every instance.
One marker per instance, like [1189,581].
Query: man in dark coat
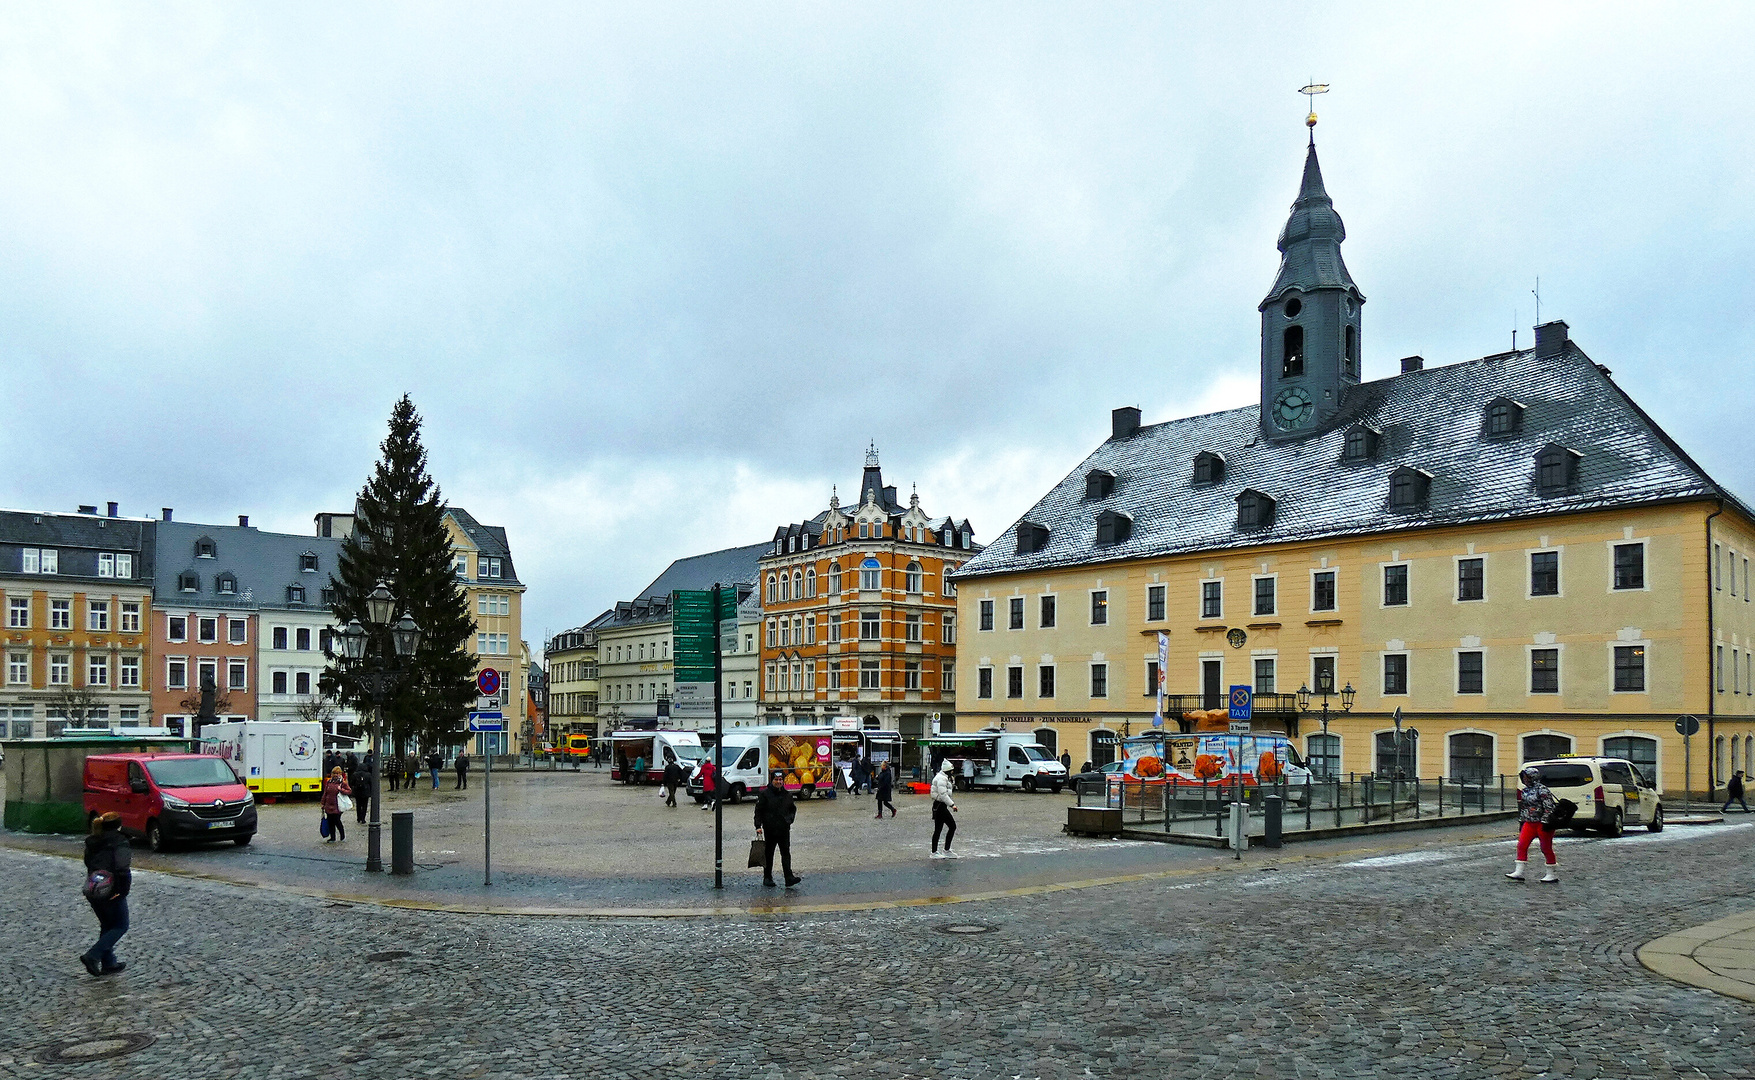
[884,785]
[362,790]
[462,772]
[673,778]
[774,814]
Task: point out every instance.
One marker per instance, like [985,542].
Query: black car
[1095,781]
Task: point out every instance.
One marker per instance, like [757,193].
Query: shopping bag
[99,885]
[323,826]
[663,793]
[758,851]
[344,803]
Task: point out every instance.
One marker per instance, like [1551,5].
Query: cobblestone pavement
[1417,961]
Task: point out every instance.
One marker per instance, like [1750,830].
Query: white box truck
[804,754]
[995,759]
[273,757]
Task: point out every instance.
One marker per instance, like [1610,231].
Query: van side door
[136,799]
[1634,807]
[1017,764]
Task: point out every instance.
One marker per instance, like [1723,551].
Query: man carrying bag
[774,814]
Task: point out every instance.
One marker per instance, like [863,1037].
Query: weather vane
[1310,91]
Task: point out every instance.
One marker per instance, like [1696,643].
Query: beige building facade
[482,560]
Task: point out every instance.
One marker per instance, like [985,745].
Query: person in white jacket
[943,809]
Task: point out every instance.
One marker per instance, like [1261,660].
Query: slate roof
[78,538]
[1310,242]
[265,563]
[1433,420]
[490,540]
[732,566]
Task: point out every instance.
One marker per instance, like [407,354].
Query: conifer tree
[399,538]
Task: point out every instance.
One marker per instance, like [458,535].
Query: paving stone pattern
[1420,964]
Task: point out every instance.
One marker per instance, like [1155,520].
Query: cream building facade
[482,560]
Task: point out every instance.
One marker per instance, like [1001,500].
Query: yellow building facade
[481,558]
[1507,551]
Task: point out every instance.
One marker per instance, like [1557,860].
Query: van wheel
[1054,789]
[244,840]
[736,794]
[1030,784]
[1656,824]
[1613,828]
[155,836]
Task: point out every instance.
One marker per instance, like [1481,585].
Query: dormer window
[308,562]
[205,548]
[1031,537]
[1209,469]
[1099,484]
[1361,443]
[1113,527]
[295,594]
[1254,510]
[189,581]
[1504,417]
[1557,470]
[968,540]
[226,584]
[1292,352]
[1408,488]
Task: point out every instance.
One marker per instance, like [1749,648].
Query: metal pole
[374,854]
[487,820]
[718,757]
[1687,772]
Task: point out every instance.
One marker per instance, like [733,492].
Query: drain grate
[967,928]
[392,954]
[74,1051]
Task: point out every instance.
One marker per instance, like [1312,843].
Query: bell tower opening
[1292,356]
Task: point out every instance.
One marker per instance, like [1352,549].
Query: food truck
[853,743]
[1214,758]
[995,759]
[748,754]
[274,757]
[659,748]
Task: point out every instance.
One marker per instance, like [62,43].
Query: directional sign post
[1687,726]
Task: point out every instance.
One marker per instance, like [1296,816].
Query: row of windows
[800,676]
[493,644]
[177,674]
[573,671]
[97,615]
[635,652]
[802,629]
[486,566]
[1627,674]
[1473,756]
[1720,565]
[1471,585]
[60,670]
[802,584]
[647,691]
[493,604]
[876,530]
[573,704]
[110,564]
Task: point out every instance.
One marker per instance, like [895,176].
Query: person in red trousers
[1536,807]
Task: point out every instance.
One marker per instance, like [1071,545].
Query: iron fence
[1181,805]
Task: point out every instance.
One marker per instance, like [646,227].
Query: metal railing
[1181,805]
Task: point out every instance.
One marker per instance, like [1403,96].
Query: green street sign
[694,634]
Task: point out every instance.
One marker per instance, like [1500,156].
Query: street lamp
[1325,688]
[379,671]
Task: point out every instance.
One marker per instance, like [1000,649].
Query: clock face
[1292,408]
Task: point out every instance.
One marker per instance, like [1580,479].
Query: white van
[803,754]
[996,759]
[658,748]
[274,757]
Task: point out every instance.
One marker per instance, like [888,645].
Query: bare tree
[192,704]
[75,706]
[319,709]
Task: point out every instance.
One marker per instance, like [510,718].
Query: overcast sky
[656,275]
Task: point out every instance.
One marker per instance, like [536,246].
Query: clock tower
[1310,321]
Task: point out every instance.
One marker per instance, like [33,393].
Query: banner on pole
[1163,665]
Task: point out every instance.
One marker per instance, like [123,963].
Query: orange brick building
[857,618]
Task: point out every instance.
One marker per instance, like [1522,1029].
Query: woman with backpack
[1537,813]
[108,861]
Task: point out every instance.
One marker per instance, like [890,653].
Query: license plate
[222,824]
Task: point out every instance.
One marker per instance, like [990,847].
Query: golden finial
[1310,91]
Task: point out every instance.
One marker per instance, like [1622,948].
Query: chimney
[243,521]
[1551,338]
[167,512]
[1123,422]
[87,509]
[1413,363]
[112,508]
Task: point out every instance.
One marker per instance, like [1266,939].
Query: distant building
[858,617]
[482,561]
[77,649]
[571,659]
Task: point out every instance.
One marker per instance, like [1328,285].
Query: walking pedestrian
[1536,807]
[1066,762]
[462,771]
[673,777]
[411,765]
[362,791]
[867,772]
[393,769]
[943,810]
[709,784]
[330,760]
[884,785]
[861,778]
[333,789]
[107,851]
[639,776]
[775,812]
[1734,793]
[435,762]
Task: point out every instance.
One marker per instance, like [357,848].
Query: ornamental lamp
[406,636]
[1347,696]
[380,605]
[353,640]
[1304,698]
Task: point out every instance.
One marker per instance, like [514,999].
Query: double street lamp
[379,672]
[1325,688]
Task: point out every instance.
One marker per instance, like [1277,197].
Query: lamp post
[1325,688]
[379,671]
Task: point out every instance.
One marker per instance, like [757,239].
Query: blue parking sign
[1242,703]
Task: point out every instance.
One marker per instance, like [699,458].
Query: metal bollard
[1270,831]
[1239,837]
[402,842]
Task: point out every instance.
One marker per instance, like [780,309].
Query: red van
[168,798]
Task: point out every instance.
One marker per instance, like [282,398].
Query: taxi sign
[1242,703]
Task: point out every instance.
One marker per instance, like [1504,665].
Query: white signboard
[1239,727]
[693,700]
[846,723]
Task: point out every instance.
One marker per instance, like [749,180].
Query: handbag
[344,803]
[99,885]
[323,826]
[758,854]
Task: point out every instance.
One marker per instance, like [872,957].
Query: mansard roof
[1429,419]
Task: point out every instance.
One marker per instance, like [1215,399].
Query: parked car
[166,798]
[1611,793]
[1095,781]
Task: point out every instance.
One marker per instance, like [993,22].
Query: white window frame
[1146,601]
[200,635]
[1314,610]
[97,668]
[1529,582]
[239,663]
[126,666]
[66,610]
[1456,579]
[877,672]
[1642,644]
[947,626]
[1383,671]
[106,564]
[1091,610]
[176,661]
[1200,599]
[14,606]
[1571,739]
[1529,673]
[1382,572]
[1275,613]
[17,662]
[947,677]
[1494,735]
[66,665]
[1644,562]
[1456,672]
[913,632]
[128,622]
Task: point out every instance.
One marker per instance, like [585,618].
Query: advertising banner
[807,759]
